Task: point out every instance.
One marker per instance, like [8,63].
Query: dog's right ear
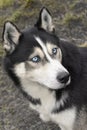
[10,37]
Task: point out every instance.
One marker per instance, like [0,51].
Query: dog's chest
[64,119]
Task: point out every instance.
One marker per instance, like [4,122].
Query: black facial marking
[34,101]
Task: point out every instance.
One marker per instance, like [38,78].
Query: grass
[28,3]
[1,50]
[15,16]
[17,13]
[72,6]
[5,3]
[2,20]
[20,13]
[70,18]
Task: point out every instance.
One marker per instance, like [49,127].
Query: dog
[49,71]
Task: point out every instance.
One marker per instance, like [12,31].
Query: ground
[70,18]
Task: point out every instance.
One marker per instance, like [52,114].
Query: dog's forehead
[31,39]
[45,36]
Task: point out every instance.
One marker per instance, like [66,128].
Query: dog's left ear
[45,20]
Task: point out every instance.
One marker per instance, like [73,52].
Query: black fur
[75,61]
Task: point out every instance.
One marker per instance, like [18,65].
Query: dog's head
[35,53]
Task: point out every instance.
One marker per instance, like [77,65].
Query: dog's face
[35,53]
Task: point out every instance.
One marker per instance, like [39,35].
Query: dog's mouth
[61,85]
[53,84]
[68,82]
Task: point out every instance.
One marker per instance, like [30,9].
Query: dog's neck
[45,96]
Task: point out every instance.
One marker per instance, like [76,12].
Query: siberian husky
[50,72]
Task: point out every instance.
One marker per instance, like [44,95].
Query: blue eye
[35,59]
[54,51]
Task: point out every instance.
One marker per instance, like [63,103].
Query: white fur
[20,69]
[65,119]
[45,75]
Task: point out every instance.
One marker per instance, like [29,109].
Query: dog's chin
[57,87]
[60,85]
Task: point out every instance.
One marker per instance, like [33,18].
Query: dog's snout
[63,77]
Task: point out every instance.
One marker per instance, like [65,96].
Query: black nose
[63,77]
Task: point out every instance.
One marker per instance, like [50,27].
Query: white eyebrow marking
[43,47]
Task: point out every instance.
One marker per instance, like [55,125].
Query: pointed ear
[10,36]
[45,20]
